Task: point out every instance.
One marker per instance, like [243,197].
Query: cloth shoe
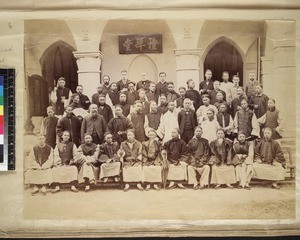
[139,186]
[156,187]
[44,190]
[35,190]
[56,189]
[126,187]
[74,189]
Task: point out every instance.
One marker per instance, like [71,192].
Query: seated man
[223,169]
[64,170]
[109,159]
[243,160]
[152,161]
[176,153]
[131,152]
[199,154]
[40,161]
[269,162]
[86,159]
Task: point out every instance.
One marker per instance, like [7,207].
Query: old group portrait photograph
[159,119]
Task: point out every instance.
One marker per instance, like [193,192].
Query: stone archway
[58,61]
[221,56]
[142,63]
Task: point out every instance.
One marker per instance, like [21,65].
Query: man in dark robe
[213,93]
[187,121]
[132,94]
[207,84]
[225,121]
[199,154]
[151,93]
[175,150]
[95,97]
[122,85]
[163,107]
[236,102]
[162,85]
[144,83]
[63,94]
[119,125]
[109,159]
[106,84]
[114,94]
[138,118]
[246,121]
[179,101]
[193,94]
[124,105]
[94,124]
[269,162]
[48,127]
[144,101]
[69,123]
[259,102]
[104,109]
[153,117]
[171,94]
[84,100]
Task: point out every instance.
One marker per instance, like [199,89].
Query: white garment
[202,112]
[168,122]
[209,129]
[226,88]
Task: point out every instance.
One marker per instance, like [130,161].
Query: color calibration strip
[7,119]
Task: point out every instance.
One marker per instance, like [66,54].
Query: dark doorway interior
[224,57]
[58,61]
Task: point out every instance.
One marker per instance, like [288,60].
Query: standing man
[122,85]
[151,93]
[226,86]
[144,83]
[236,102]
[104,109]
[132,94]
[62,98]
[233,90]
[84,100]
[100,90]
[171,94]
[192,94]
[162,85]
[119,125]
[187,121]
[124,105]
[199,155]
[48,127]
[207,85]
[138,118]
[251,84]
[94,124]
[259,101]
[69,123]
[106,85]
[113,94]
[213,93]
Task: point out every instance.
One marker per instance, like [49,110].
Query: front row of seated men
[151,163]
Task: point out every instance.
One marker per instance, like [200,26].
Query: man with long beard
[94,124]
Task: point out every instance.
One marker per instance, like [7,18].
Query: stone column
[187,65]
[88,70]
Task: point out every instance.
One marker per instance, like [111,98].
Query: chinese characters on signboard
[135,44]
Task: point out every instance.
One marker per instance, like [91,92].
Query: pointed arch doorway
[224,57]
[58,61]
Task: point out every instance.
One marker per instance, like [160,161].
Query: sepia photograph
[159,119]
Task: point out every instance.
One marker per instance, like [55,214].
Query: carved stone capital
[193,52]
[79,55]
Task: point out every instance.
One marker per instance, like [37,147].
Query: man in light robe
[202,110]
[39,164]
[269,162]
[226,86]
[199,155]
[210,126]
[168,122]
[176,153]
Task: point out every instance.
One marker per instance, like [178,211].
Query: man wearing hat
[63,95]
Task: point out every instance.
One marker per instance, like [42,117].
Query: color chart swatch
[7,119]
